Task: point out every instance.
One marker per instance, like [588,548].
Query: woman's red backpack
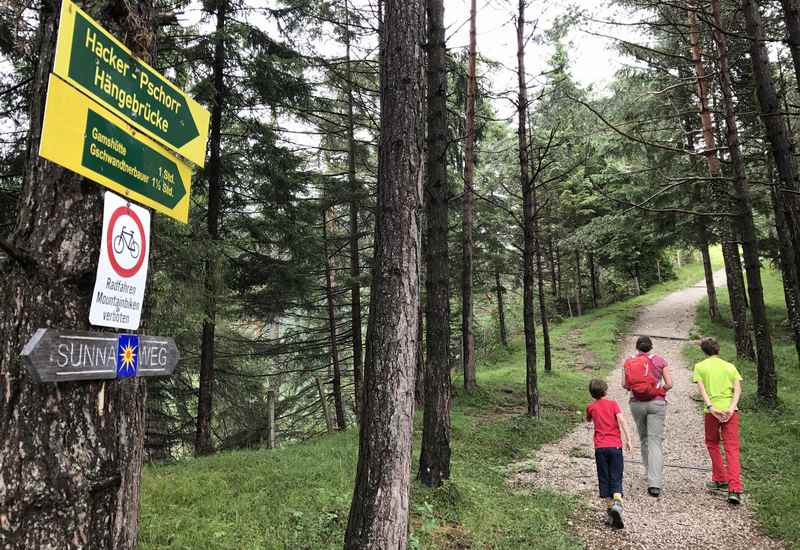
[640,378]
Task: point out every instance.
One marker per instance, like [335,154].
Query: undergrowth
[299,496]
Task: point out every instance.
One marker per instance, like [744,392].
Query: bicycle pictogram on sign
[126,242]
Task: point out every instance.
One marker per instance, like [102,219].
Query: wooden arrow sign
[59,356]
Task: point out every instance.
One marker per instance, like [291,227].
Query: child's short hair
[709,346]
[598,388]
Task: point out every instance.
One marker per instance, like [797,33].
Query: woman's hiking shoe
[654,491]
[615,513]
[734,498]
[716,485]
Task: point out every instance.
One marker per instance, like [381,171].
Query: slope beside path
[686,516]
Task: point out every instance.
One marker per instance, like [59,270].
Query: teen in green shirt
[720,385]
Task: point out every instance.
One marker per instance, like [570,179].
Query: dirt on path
[686,516]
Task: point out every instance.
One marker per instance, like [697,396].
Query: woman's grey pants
[649,417]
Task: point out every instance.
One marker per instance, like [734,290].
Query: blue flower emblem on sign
[127,355]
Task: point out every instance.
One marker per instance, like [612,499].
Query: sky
[593,59]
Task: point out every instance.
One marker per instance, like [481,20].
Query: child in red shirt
[609,427]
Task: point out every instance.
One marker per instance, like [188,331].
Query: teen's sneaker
[716,485]
[616,515]
[654,491]
[734,498]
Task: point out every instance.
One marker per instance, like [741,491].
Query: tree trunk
[578,293]
[593,274]
[730,248]
[700,225]
[791,17]
[790,295]
[767,379]
[557,267]
[528,224]
[434,458]
[552,259]
[70,453]
[785,203]
[379,511]
[540,277]
[548,356]
[355,202]
[658,270]
[338,402]
[468,335]
[323,403]
[501,313]
[419,375]
[202,442]
[711,291]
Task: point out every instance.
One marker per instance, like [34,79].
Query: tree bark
[548,363]
[785,202]
[501,313]
[700,225]
[202,443]
[730,248]
[379,511]
[767,379]
[791,17]
[419,376]
[70,453]
[323,403]
[557,267]
[708,271]
[552,259]
[593,275]
[578,292]
[333,347]
[434,459]
[468,335]
[548,356]
[355,204]
[528,224]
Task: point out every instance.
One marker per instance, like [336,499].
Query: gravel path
[686,516]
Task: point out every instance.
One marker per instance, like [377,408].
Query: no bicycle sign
[122,269]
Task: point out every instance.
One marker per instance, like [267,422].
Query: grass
[770,439]
[299,496]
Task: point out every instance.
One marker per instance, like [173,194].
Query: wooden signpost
[59,356]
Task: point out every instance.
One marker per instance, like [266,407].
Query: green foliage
[770,439]
[298,496]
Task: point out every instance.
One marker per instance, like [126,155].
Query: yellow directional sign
[91,59]
[86,138]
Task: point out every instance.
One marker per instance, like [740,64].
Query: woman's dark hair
[709,346]
[644,344]
[598,388]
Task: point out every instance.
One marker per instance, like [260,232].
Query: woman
[649,414]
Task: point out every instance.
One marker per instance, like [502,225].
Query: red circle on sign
[121,271]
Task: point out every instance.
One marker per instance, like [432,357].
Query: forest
[418,230]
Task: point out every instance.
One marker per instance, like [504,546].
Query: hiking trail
[686,516]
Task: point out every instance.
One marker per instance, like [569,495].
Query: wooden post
[324,402]
[271,419]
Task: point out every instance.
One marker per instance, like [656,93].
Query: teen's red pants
[728,433]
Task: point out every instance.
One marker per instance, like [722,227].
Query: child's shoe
[615,512]
[716,485]
[734,498]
